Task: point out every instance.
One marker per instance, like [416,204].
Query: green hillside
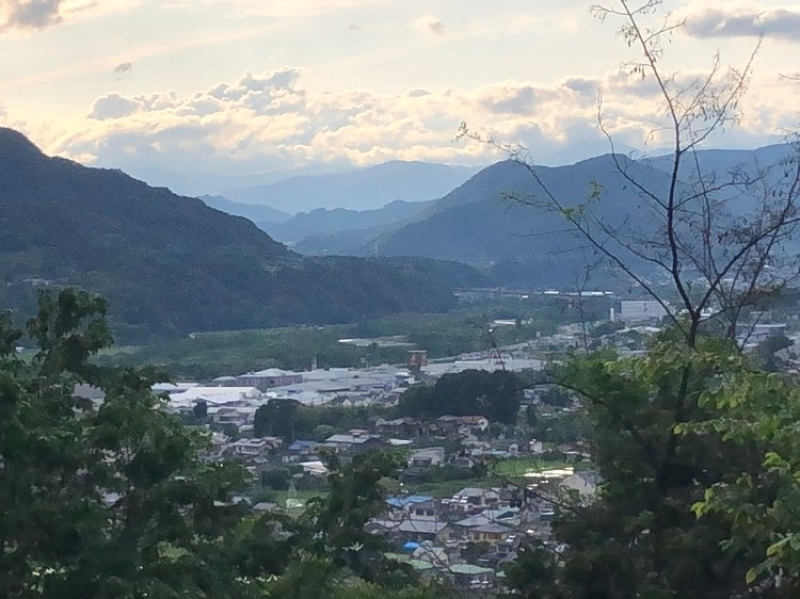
[171,265]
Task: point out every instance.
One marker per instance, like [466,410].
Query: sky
[200,95]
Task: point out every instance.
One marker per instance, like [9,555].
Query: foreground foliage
[108,500]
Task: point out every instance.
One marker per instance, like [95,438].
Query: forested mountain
[502,220]
[498,220]
[364,189]
[170,264]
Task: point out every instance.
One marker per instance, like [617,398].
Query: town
[473,491]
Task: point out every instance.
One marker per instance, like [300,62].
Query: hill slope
[483,222]
[254,212]
[169,264]
[519,242]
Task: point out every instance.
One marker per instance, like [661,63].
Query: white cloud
[742,20]
[429,24]
[113,106]
[269,121]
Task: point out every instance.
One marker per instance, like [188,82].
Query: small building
[489,533]
[418,531]
[474,499]
[467,576]
[255,447]
[406,506]
[269,379]
[426,458]
[353,442]
[640,311]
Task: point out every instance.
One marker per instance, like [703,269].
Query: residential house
[402,531]
[427,457]
[472,425]
[467,576]
[408,506]
[489,533]
[353,442]
[402,427]
[255,447]
[303,447]
[474,499]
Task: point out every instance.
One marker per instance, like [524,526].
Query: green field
[468,328]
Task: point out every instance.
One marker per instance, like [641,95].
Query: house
[254,447]
[426,510]
[426,458]
[405,530]
[474,499]
[403,427]
[265,507]
[489,533]
[303,447]
[353,442]
[410,506]
[444,425]
[472,425]
[467,576]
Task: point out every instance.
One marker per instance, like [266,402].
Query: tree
[200,411]
[724,244]
[277,418]
[109,500]
[758,412]
[721,240]
[495,395]
[102,500]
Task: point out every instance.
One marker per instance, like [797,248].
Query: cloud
[29,14]
[743,21]
[430,24]
[269,121]
[123,67]
[34,15]
[113,106]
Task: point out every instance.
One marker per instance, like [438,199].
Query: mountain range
[362,189]
[498,220]
[170,265]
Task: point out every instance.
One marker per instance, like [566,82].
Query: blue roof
[410,546]
[408,500]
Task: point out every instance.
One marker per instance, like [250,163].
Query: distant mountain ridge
[323,221]
[253,212]
[363,189]
[498,219]
[170,264]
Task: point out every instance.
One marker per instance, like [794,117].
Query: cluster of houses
[470,537]
[467,537]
